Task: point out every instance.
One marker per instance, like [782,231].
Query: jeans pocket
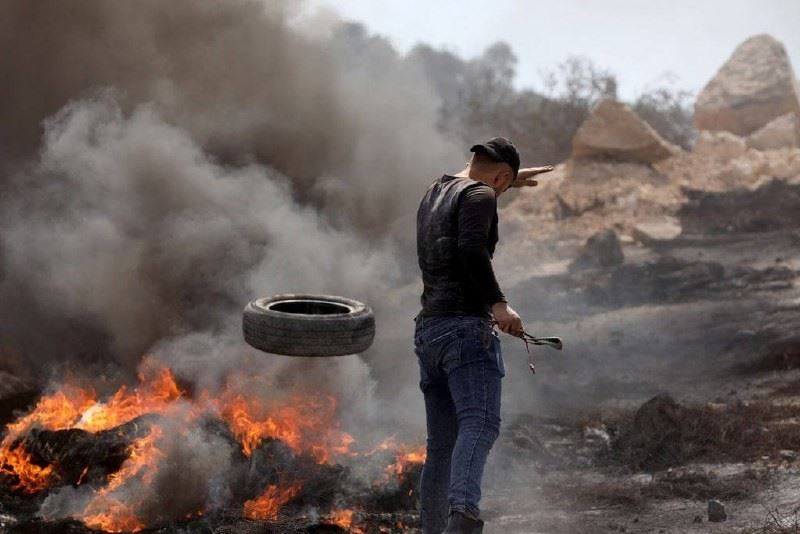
[444,336]
[450,352]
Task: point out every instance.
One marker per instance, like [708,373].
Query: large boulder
[601,250]
[657,229]
[655,439]
[783,132]
[756,85]
[614,131]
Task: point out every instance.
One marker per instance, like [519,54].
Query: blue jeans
[461,368]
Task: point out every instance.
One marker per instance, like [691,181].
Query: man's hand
[507,319]
[525,176]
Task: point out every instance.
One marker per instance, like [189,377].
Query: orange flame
[32,478]
[304,424]
[104,511]
[157,391]
[55,412]
[404,459]
[405,456]
[73,407]
[143,456]
[269,504]
[341,518]
[115,516]
[345,519]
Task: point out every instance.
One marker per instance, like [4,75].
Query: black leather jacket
[457,275]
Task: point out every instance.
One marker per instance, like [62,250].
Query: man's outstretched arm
[525,176]
[475,216]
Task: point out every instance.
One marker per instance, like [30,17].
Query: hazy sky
[638,40]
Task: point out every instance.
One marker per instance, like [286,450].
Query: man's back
[456,237]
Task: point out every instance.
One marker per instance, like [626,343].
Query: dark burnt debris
[690,484]
[668,450]
[665,279]
[664,433]
[85,458]
[779,355]
[773,206]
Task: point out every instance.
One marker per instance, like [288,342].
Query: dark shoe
[460,523]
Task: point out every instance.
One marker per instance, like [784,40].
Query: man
[458,349]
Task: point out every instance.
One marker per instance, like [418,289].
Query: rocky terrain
[672,276]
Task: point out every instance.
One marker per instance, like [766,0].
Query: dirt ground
[710,318]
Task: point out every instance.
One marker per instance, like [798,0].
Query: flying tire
[308,325]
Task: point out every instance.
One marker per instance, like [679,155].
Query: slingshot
[528,339]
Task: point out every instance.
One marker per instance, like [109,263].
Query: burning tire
[308,325]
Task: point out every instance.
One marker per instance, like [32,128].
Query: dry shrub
[664,433]
[779,523]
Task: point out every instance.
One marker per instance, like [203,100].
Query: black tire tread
[308,335]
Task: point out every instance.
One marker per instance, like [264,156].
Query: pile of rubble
[672,269]
[623,175]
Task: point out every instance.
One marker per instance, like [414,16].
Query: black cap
[500,149]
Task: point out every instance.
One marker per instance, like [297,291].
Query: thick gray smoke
[129,225]
[164,162]
[197,476]
[352,130]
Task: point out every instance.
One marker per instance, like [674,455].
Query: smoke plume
[163,163]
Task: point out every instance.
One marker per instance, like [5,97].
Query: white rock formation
[756,85]
[783,132]
[613,130]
